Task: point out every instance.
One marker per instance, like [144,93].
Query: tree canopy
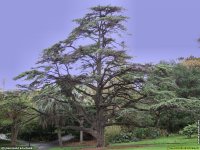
[100,70]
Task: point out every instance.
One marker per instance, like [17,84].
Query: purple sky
[161,29]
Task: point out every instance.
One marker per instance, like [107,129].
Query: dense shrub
[117,135]
[189,130]
[143,133]
[34,132]
[111,132]
[125,137]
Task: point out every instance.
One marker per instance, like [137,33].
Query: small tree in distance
[15,112]
[93,63]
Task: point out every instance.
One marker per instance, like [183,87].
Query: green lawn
[164,143]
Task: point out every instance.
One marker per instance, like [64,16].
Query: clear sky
[161,29]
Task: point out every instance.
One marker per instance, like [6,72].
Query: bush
[118,136]
[124,138]
[189,130]
[111,132]
[144,133]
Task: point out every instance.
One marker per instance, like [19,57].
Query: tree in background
[53,109]
[175,88]
[1,113]
[191,61]
[187,78]
[101,65]
[15,111]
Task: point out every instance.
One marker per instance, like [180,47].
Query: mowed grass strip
[173,142]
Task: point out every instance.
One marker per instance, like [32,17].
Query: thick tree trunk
[59,133]
[100,137]
[100,129]
[14,134]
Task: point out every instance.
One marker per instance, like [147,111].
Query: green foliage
[144,133]
[15,112]
[181,104]
[133,116]
[175,113]
[124,137]
[14,107]
[160,84]
[189,130]
[134,135]
[175,91]
[111,132]
[99,71]
[187,80]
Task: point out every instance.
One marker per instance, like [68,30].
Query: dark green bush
[189,130]
[134,135]
[144,133]
[124,138]
[111,132]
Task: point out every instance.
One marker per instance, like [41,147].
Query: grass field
[173,142]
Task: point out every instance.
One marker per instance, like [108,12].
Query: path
[47,145]
[3,137]
[41,145]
